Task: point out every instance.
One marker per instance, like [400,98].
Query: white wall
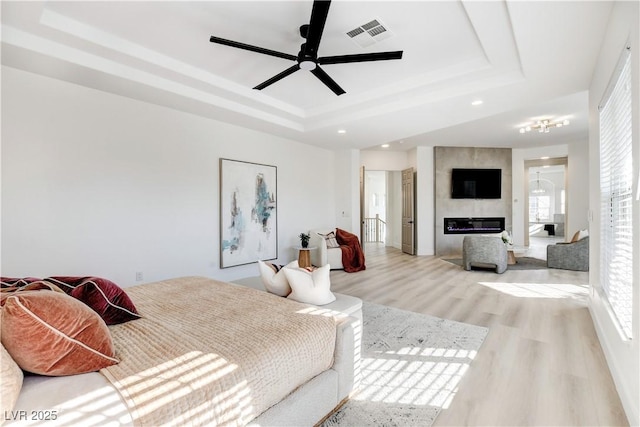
[99,184]
[577,199]
[383,160]
[425,201]
[394,209]
[623,356]
[346,181]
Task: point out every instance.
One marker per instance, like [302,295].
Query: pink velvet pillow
[109,300]
[51,333]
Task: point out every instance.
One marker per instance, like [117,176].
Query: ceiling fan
[307,58]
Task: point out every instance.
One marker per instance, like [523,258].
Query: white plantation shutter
[616,177]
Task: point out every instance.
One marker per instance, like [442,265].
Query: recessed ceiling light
[476,102]
[544,158]
[385,145]
[342,131]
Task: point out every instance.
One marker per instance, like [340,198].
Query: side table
[304,256]
[512,251]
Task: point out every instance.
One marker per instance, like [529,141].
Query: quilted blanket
[211,353]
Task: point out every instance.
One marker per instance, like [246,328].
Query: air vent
[370,33]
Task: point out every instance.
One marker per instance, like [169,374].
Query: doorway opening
[382,208]
[546,211]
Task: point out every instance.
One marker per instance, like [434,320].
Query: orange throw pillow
[51,333]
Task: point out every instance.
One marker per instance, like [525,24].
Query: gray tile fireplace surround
[448,158]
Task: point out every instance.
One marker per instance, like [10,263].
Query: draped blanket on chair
[352,255]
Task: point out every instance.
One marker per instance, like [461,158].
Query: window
[616,173]
[539,208]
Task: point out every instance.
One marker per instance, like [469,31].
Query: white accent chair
[323,255]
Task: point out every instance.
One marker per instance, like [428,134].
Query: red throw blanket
[352,255]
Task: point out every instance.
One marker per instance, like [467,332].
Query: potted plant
[304,239]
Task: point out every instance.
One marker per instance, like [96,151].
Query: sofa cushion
[311,287]
[330,239]
[274,279]
[51,333]
[579,235]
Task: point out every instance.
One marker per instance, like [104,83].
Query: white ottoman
[351,306]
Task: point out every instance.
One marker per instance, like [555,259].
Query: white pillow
[311,287]
[330,239]
[274,279]
[582,234]
[10,380]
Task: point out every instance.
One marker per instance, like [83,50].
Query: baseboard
[629,404]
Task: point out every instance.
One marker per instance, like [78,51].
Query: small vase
[305,244]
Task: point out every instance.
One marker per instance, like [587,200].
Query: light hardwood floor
[541,362]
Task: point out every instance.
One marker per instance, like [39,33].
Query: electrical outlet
[139,276]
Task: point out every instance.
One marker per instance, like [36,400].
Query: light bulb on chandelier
[543,126]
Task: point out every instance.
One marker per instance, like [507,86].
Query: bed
[205,352]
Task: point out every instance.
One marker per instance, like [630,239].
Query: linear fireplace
[473,225]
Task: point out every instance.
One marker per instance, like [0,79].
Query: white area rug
[410,368]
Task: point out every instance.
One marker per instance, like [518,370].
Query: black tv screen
[476,183]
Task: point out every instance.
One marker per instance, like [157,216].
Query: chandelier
[538,190]
[543,126]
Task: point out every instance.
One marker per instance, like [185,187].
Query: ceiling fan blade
[277,77]
[319,14]
[328,81]
[376,56]
[218,40]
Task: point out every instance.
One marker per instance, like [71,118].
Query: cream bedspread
[211,353]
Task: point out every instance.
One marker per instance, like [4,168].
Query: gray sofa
[484,251]
[569,256]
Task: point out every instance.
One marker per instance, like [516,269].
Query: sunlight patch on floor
[424,376]
[540,290]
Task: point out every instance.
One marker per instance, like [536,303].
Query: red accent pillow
[109,300]
[67,283]
[51,333]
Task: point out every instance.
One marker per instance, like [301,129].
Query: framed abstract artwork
[248,212]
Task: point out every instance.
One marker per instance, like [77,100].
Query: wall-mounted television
[476,183]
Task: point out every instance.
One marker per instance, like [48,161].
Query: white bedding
[93,400]
[78,400]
